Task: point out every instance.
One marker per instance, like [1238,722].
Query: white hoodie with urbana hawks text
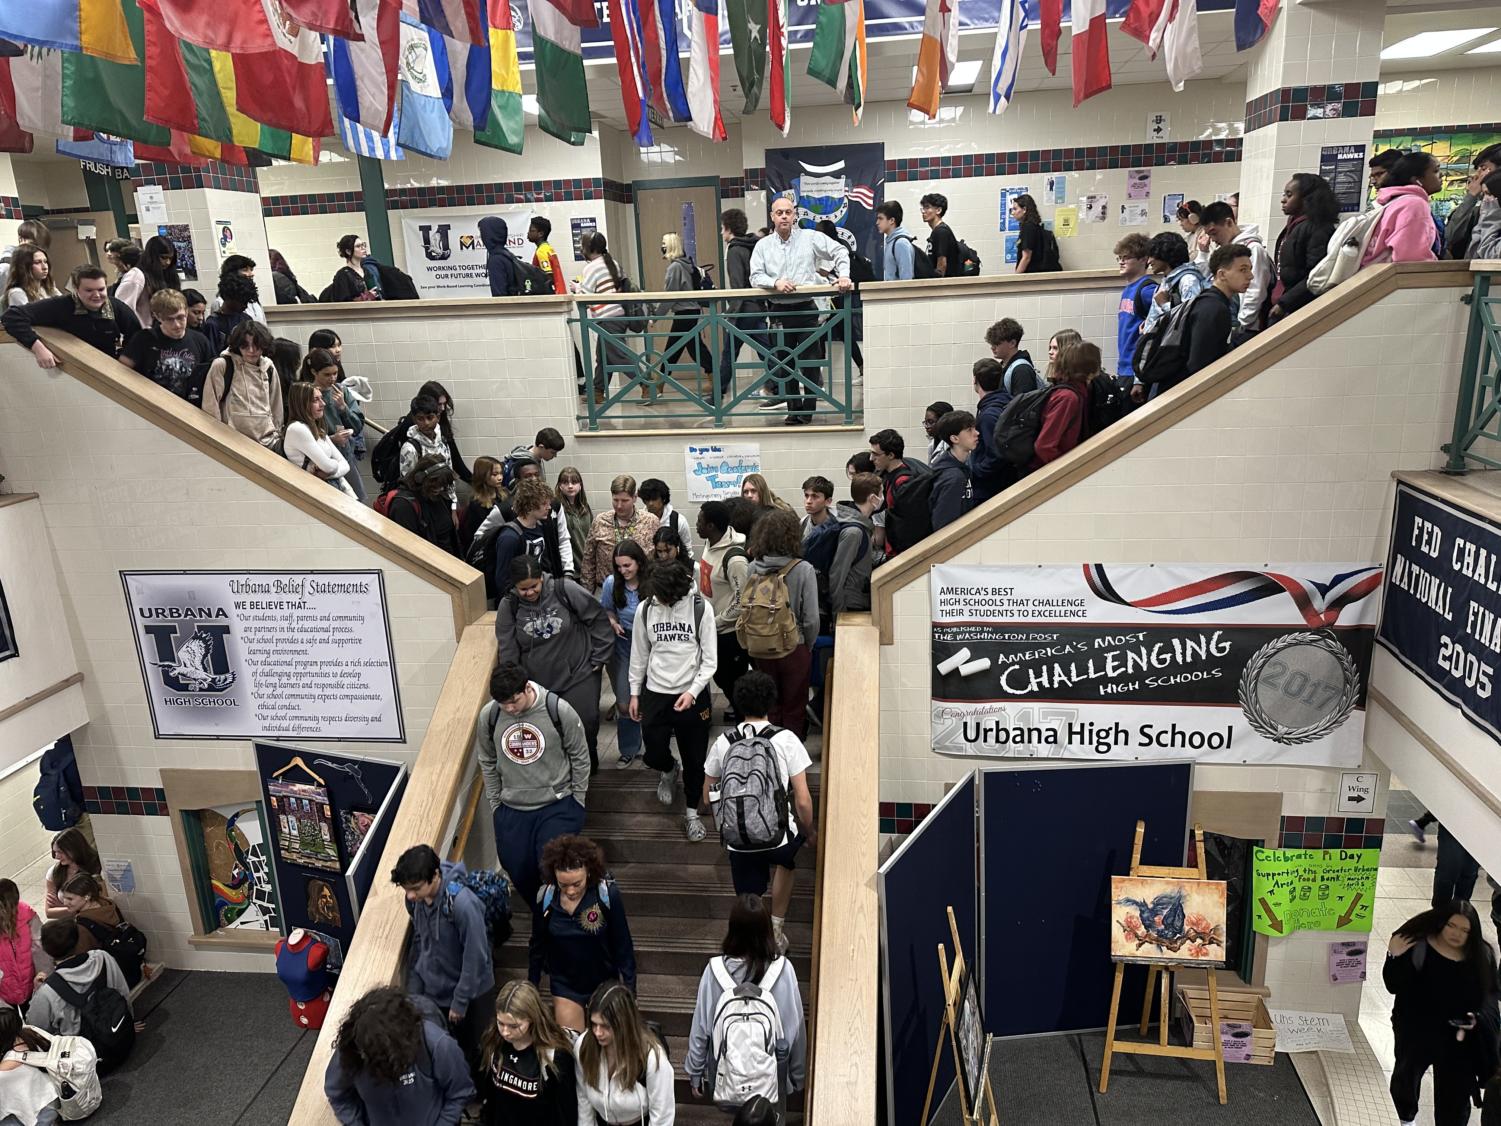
[671,652]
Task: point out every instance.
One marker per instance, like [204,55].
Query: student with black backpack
[101,926]
[1036,246]
[943,246]
[838,547]
[1197,332]
[86,995]
[908,484]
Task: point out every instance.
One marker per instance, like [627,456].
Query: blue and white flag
[424,75]
[366,142]
[1010,39]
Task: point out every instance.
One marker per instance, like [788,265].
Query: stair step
[648,900]
[679,947]
[668,846]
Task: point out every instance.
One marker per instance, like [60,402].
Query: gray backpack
[752,793]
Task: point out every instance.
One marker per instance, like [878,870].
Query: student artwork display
[1256,664]
[8,647]
[322,904]
[1155,919]
[304,825]
[245,654]
[840,183]
[445,254]
[235,883]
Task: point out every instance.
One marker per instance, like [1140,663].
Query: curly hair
[670,582]
[380,1036]
[530,495]
[569,853]
[777,532]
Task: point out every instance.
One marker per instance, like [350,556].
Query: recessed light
[1490,48]
[1428,43]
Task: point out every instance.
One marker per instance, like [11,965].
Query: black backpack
[104,1018]
[122,942]
[861,269]
[1106,404]
[531,281]
[1162,352]
[969,261]
[922,261]
[481,554]
[700,274]
[1050,260]
[1015,439]
[385,459]
[909,510]
[396,284]
[57,807]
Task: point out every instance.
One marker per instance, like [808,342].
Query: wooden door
[689,210]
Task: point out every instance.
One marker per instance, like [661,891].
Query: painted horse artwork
[1167,920]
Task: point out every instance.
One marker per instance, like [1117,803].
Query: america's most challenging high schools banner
[1220,663]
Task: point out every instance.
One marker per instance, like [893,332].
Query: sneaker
[1417,830]
[694,825]
[781,940]
[772,405]
[667,784]
[624,763]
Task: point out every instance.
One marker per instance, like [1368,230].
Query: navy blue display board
[934,869]
[1441,609]
[1050,840]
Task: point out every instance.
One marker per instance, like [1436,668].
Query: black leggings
[1453,1077]
[687,325]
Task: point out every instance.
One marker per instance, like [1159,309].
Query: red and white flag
[1091,49]
[703,69]
[1180,42]
[781,73]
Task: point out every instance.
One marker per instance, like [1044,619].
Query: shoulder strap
[1011,370]
[100,932]
[773,971]
[604,891]
[70,995]
[549,892]
[784,571]
[553,712]
[722,974]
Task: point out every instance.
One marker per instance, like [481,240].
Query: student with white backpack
[747,1037]
[45,1079]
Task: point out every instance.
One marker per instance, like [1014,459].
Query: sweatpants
[521,834]
[792,674]
[1453,1076]
[659,723]
[733,664]
[584,696]
[1455,870]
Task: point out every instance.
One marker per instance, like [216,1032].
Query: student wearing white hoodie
[624,1076]
[1220,224]
[674,652]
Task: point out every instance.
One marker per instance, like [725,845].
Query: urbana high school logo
[191,656]
[435,242]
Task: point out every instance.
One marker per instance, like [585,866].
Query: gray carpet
[219,1050]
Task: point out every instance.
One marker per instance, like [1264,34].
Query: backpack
[1347,246]
[635,311]
[491,888]
[482,553]
[53,799]
[861,269]
[104,1019]
[745,1033]
[1162,352]
[1050,258]
[531,281]
[909,508]
[922,262]
[122,942]
[768,629]
[385,459]
[1008,379]
[752,811]
[396,284]
[969,261]
[71,1063]
[1015,439]
[820,549]
[701,278]
[1105,405]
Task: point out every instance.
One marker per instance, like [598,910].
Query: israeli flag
[1010,39]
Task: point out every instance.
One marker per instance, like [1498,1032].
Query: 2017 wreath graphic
[1337,706]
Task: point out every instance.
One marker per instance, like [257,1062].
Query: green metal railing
[649,370]
[1477,412]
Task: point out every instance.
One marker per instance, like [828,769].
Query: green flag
[111,97]
[748,37]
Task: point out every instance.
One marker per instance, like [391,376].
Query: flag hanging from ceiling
[937,56]
[1180,42]
[37,82]
[1090,49]
[1141,19]
[1253,19]
[426,127]
[364,142]
[467,94]
[285,87]
[238,26]
[110,97]
[328,17]
[630,67]
[102,149]
[1010,41]
[13,138]
[562,92]
[364,71]
[748,39]
[506,124]
[703,69]
[95,27]
[781,72]
[1050,25]
[664,70]
[182,90]
[463,20]
[247,133]
[838,57]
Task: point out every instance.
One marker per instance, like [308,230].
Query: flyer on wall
[1253,664]
[266,654]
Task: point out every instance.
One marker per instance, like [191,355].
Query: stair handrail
[1477,407]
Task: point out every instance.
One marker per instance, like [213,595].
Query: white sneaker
[695,826]
[623,763]
[772,405]
[667,783]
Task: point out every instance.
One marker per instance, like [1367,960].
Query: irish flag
[562,93]
[1091,49]
[507,122]
[838,55]
[938,54]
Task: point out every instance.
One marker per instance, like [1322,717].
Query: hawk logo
[198,663]
[468,242]
[435,242]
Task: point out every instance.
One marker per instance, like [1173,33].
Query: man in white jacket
[1220,224]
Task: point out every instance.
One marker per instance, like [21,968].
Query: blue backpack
[58,798]
[493,891]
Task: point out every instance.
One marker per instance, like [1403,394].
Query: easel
[1216,1051]
[953,984]
[987,1115]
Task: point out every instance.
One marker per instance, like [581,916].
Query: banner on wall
[445,254]
[266,654]
[840,183]
[1258,664]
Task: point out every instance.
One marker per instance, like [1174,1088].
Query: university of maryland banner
[840,183]
[1253,664]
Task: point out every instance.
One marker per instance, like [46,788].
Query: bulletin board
[1050,839]
[932,870]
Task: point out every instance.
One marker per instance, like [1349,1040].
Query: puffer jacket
[1404,231]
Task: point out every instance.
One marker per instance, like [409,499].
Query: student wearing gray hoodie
[48,1011]
[776,540]
[535,762]
[559,634]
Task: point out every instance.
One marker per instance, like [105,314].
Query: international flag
[94,27]
[37,84]
[937,56]
[328,17]
[838,57]
[246,133]
[1050,23]
[1141,19]
[426,127]
[1091,49]
[463,20]
[110,97]
[1010,41]
[364,70]
[102,149]
[703,69]
[664,70]
[781,73]
[505,127]
[1253,19]
[562,92]
[285,87]
[630,67]
[467,94]
[13,138]
[240,26]
[364,142]
[748,39]
[1180,42]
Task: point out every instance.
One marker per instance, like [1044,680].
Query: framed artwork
[304,823]
[8,647]
[323,904]
[234,877]
[1167,920]
[971,1036]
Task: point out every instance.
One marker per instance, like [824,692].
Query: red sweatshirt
[1062,424]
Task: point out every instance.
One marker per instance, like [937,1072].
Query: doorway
[689,207]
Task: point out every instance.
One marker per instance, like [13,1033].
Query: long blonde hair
[765,497]
[300,409]
[521,1000]
[632,1042]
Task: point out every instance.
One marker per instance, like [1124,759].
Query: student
[746,315]
[943,247]
[683,333]
[81,973]
[753,955]
[1380,165]
[547,445]
[89,313]
[169,353]
[435,391]
[863,507]
[621,597]
[28,1095]
[157,271]
[952,493]
[573,502]
[898,262]
[776,548]
[1485,243]
[529,532]
[73,853]
[1459,229]
[624,1076]
[1211,320]
[526,1073]
[1066,412]
[356,280]
[580,936]
[1191,222]
[1004,339]
[242,389]
[556,631]
[1223,230]
[756,489]
[420,503]
[284,285]
[1312,211]
[449,959]
[837,544]
[667,547]
[1404,230]
[545,257]
[390,1067]
[930,417]
[485,495]
[1182,279]
[424,438]
[657,497]
[1036,248]
[98,920]
[989,474]
[887,450]
[674,651]
[623,521]
[603,276]
[29,276]
[1131,256]
[341,412]
[757,701]
[239,266]
[20,938]
[722,570]
[308,443]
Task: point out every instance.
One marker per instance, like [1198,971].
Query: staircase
[677,896]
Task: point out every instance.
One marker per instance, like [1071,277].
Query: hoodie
[417,446]
[737,257]
[1253,301]
[952,494]
[1182,283]
[1485,240]
[802,591]
[899,263]
[450,952]
[986,469]
[56,1017]
[107,330]
[560,639]
[1404,230]
[849,577]
[721,584]
[527,761]
[791,1050]
[501,267]
[435,1089]
[253,405]
[672,651]
[679,277]
[1460,227]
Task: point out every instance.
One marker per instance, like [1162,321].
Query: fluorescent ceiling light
[1486,48]
[962,78]
[1428,43]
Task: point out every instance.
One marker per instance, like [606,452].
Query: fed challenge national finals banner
[1256,664]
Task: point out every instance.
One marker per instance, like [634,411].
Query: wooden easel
[1216,1051]
[953,984]
[986,1113]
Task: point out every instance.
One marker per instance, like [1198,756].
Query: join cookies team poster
[1253,664]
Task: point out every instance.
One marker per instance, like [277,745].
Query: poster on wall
[1454,150]
[180,235]
[236,886]
[224,238]
[714,472]
[1441,612]
[445,254]
[277,654]
[8,647]
[840,183]
[582,226]
[1170,204]
[1009,222]
[1256,664]
[1344,167]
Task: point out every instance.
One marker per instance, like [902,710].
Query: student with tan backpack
[779,614]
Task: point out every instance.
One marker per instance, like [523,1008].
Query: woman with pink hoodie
[1404,231]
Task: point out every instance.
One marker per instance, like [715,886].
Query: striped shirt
[596,279]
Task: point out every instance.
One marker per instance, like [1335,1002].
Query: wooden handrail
[37,697]
[1208,386]
[433,792]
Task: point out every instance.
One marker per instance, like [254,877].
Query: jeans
[755,328]
[792,674]
[627,730]
[797,323]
